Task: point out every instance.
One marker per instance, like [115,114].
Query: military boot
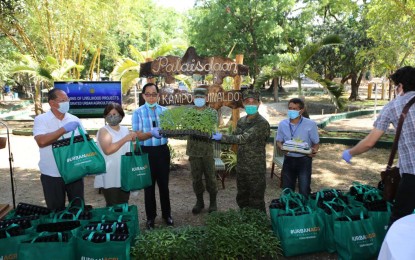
[213,206]
[200,204]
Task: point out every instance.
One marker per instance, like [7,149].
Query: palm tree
[295,64]
[128,69]
[44,73]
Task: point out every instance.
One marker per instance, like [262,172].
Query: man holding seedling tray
[251,135]
[200,152]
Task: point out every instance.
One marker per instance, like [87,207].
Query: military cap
[250,93]
[199,92]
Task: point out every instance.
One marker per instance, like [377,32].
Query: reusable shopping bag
[300,228]
[119,213]
[48,246]
[301,231]
[380,212]
[10,238]
[135,169]
[355,237]
[99,245]
[77,157]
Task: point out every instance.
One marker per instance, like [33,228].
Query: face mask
[293,114]
[63,107]
[113,120]
[150,105]
[251,109]
[200,102]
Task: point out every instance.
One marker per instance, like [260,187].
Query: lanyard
[293,130]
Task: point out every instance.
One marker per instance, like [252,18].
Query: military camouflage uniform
[251,135]
[201,160]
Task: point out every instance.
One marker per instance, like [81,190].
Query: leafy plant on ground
[169,243]
[244,234]
[241,234]
[230,159]
[174,156]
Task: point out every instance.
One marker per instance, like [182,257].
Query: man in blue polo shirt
[297,165]
[146,121]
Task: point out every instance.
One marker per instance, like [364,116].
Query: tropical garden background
[47,40]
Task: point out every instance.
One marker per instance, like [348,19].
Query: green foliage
[230,159]
[186,118]
[169,243]
[244,234]
[252,28]
[235,234]
[335,90]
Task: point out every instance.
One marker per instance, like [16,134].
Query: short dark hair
[298,101]
[52,93]
[148,85]
[406,77]
[115,106]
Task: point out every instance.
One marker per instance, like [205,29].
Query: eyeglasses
[151,95]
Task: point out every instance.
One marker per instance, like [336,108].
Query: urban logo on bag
[139,168]
[101,258]
[306,233]
[9,257]
[82,156]
[364,240]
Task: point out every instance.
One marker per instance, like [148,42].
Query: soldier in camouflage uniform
[251,135]
[201,160]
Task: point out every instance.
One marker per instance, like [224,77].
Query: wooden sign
[191,63]
[217,97]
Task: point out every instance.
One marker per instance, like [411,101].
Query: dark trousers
[405,198]
[114,196]
[299,168]
[159,157]
[54,190]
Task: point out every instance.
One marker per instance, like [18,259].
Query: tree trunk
[355,83]
[38,101]
[300,89]
[276,89]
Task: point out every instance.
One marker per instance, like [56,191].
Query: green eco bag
[120,212]
[301,232]
[135,170]
[33,249]
[380,218]
[87,249]
[9,246]
[77,157]
[355,237]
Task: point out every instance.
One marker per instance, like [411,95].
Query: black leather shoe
[150,224]
[169,221]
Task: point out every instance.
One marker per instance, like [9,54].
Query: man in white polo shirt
[47,129]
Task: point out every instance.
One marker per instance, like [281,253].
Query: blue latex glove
[217,136]
[347,156]
[155,132]
[69,127]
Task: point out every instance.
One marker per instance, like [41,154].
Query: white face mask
[63,107]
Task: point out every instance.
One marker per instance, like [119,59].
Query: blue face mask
[150,105]
[199,102]
[63,107]
[293,114]
[251,109]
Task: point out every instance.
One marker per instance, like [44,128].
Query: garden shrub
[244,234]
